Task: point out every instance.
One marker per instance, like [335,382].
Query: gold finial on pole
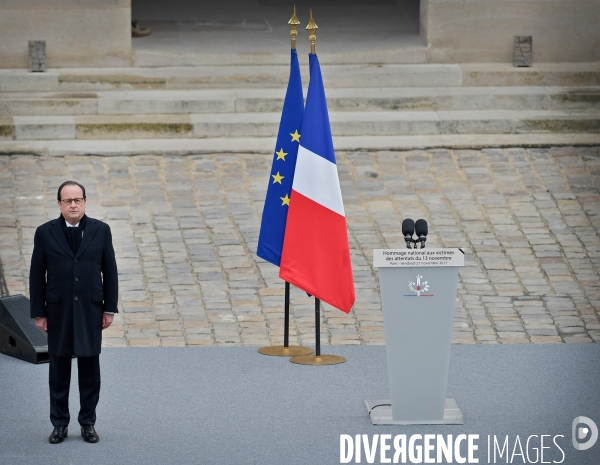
[294,23]
[312,28]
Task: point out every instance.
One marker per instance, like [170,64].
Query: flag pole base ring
[282,351]
[318,360]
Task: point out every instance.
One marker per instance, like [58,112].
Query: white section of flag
[317,178]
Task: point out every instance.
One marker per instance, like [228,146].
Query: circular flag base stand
[317,359]
[283,351]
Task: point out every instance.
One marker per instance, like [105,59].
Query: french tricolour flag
[316,256]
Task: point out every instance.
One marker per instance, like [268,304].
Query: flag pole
[286,350]
[312,27]
[294,22]
[286,318]
[316,358]
[317,327]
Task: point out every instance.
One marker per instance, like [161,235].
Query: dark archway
[190,28]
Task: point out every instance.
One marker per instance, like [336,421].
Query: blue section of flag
[272,228]
[316,129]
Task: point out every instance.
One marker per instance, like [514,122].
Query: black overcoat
[73,290]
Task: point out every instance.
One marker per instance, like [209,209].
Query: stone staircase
[237,108]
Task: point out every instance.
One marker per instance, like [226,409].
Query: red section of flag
[315,254]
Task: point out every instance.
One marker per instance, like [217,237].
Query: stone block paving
[185,231]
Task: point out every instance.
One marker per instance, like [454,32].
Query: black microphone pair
[409,227]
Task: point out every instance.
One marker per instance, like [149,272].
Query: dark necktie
[74,238]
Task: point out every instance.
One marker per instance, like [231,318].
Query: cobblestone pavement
[185,232]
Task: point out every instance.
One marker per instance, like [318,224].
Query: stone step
[265,145]
[413,51]
[271,100]
[276,76]
[240,125]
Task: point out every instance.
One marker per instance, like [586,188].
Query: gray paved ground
[185,232]
[215,406]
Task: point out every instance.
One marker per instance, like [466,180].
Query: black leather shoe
[58,435]
[88,433]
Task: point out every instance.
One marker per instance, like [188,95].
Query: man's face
[72,212]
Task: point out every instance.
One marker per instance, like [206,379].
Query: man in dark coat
[74,289]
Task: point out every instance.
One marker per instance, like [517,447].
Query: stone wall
[77,32]
[477,31]
[96,33]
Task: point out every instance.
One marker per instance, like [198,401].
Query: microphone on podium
[421,231]
[408,229]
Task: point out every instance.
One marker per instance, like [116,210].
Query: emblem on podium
[418,288]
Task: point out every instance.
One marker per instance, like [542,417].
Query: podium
[418,293]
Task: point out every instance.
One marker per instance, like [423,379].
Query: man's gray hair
[69,183]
